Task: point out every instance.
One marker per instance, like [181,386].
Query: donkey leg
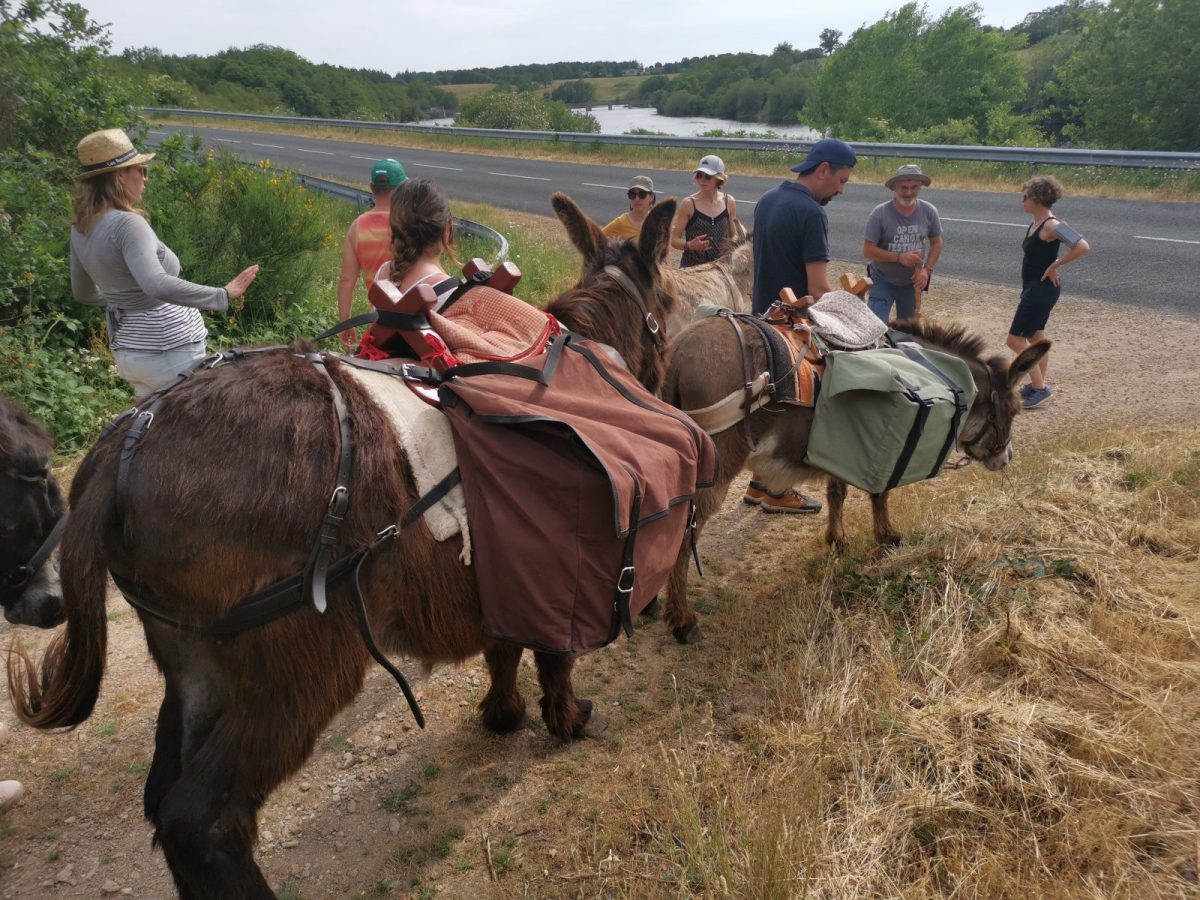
[503,708]
[835,533]
[167,764]
[678,614]
[885,534]
[565,716]
[208,822]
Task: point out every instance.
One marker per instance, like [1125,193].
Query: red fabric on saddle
[555,478]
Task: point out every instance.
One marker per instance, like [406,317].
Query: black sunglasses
[635,194]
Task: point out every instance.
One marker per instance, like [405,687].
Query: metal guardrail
[1032,156]
[365,200]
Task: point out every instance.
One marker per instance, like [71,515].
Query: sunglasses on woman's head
[635,194]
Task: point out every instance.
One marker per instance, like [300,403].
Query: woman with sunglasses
[641,198]
[705,221]
[117,261]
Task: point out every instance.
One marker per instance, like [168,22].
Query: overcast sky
[461,34]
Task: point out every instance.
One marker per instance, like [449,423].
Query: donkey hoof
[688,635]
[595,724]
[653,610]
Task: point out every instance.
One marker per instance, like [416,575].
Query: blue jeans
[148,370]
[883,295]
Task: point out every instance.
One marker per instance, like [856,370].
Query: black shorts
[1033,312]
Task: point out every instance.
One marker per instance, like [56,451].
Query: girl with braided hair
[421,232]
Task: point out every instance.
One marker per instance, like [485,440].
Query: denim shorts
[883,295]
[1033,312]
[148,370]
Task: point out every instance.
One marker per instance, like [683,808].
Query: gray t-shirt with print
[896,233]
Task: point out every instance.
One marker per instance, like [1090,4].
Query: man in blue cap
[791,230]
[791,249]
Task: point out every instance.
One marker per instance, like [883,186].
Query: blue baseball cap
[387,173]
[830,150]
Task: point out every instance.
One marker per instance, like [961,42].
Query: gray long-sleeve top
[122,265]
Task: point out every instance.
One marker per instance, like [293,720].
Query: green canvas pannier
[886,418]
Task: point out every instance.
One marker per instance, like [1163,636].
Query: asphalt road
[1142,252]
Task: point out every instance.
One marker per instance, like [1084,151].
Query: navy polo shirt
[790,230]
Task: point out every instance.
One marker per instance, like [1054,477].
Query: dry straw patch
[1004,707]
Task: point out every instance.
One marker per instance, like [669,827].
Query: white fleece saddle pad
[424,435]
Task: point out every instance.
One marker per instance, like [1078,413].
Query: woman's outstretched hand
[241,281]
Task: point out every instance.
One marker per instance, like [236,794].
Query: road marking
[367,158]
[432,166]
[527,177]
[984,222]
[272,146]
[227,140]
[160,132]
[1146,237]
[615,187]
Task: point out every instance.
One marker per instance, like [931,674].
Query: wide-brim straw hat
[844,320]
[908,172]
[106,151]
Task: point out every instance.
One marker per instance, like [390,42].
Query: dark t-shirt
[790,230]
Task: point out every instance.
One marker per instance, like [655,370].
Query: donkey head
[30,507]
[987,434]
[620,285]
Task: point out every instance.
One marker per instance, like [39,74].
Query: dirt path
[383,809]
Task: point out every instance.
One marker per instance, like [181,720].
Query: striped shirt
[122,265]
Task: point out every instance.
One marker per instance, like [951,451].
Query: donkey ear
[584,233]
[654,240]
[1026,360]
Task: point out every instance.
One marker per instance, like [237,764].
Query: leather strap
[631,289]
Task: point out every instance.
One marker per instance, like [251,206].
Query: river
[622,119]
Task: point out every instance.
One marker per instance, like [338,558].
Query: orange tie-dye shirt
[371,237]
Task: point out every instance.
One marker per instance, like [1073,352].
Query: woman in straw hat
[641,200]
[117,261]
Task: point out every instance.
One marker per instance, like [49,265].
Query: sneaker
[1026,390]
[1037,397]
[790,501]
[10,794]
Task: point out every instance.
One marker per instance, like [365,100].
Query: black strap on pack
[693,527]
[960,405]
[543,376]
[367,318]
[924,406]
[316,572]
[622,619]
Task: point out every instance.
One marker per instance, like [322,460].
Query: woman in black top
[1041,281]
[705,221]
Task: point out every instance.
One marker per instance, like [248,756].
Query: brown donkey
[727,281]
[225,494]
[705,365]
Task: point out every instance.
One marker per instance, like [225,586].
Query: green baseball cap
[387,173]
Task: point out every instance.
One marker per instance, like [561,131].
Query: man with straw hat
[903,243]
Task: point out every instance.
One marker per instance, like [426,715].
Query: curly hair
[1043,190]
[420,213]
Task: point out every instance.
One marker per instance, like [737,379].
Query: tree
[906,73]
[1134,80]
[53,88]
[831,39]
[575,93]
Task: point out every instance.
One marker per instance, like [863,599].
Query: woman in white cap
[641,198]
[705,221]
[117,261]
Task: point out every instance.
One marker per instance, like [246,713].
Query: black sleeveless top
[717,229]
[1038,254]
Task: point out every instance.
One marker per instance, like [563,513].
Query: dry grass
[1005,707]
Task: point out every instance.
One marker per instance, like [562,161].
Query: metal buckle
[651,323]
[389,533]
[630,571]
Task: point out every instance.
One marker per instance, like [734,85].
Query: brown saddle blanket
[578,484]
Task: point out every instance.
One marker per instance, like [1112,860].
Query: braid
[419,216]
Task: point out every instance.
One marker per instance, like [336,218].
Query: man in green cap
[368,243]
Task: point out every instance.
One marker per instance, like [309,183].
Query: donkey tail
[63,693]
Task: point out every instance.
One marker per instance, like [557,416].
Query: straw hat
[106,151]
[908,172]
